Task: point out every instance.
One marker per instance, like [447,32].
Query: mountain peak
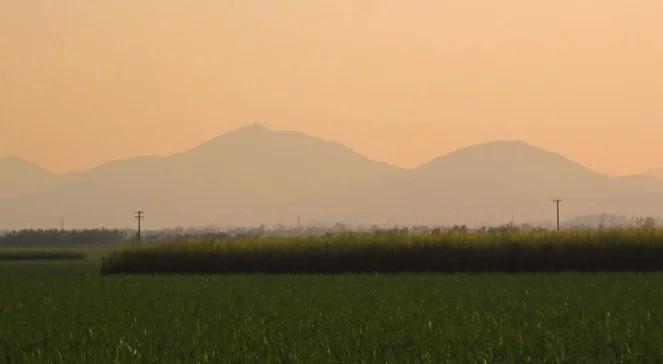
[12,160]
[504,157]
[258,136]
[255,127]
[15,164]
[502,150]
[250,130]
[501,145]
[277,150]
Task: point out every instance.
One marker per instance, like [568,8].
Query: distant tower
[62,223]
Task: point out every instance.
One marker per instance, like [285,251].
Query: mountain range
[658,173]
[255,175]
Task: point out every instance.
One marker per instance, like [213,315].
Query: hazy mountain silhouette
[492,182]
[489,183]
[254,175]
[658,173]
[18,177]
[244,177]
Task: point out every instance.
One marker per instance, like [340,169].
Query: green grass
[617,250]
[65,312]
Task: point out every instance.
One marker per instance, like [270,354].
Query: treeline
[54,237]
[40,255]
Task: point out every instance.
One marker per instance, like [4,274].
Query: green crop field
[67,312]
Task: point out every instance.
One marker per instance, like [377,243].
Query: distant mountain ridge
[658,173]
[18,177]
[254,176]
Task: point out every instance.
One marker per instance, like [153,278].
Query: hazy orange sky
[83,82]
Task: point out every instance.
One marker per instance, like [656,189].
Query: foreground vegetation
[65,312]
[40,255]
[617,250]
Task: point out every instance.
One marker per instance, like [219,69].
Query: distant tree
[649,223]
[504,228]
[459,229]
[339,228]
[436,232]
[56,237]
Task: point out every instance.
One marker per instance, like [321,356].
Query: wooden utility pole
[557,201]
[139,216]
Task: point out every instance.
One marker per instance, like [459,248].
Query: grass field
[66,312]
[592,251]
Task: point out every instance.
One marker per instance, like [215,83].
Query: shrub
[618,250]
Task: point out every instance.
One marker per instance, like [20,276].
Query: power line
[139,215]
[557,201]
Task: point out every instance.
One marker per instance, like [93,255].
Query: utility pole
[62,223]
[139,216]
[557,201]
